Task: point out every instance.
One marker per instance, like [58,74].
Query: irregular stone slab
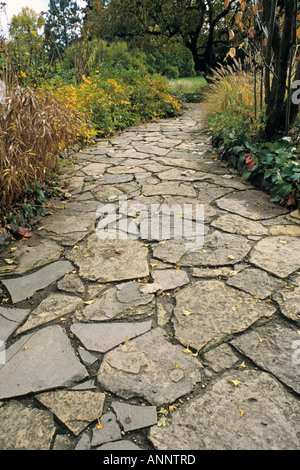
[95,169]
[134,417]
[169,188]
[151,149]
[251,416]
[106,193]
[107,432]
[71,283]
[84,443]
[40,361]
[113,179]
[209,192]
[275,348]
[139,369]
[255,282]
[21,288]
[103,337]
[185,204]
[119,445]
[89,206]
[286,230]
[228,181]
[254,205]
[29,257]
[182,174]
[10,319]
[166,279]
[219,249]
[212,273]
[110,260]
[289,303]
[208,313]
[53,307]
[75,409]
[221,358]
[123,301]
[68,229]
[277,255]
[25,428]
[235,224]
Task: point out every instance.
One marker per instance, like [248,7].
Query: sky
[15,6]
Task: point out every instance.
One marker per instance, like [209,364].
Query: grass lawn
[188,84]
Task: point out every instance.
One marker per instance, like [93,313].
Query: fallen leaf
[9,261]
[242,413]
[172,408]
[25,232]
[90,302]
[230,257]
[242,365]
[162,421]
[236,383]
[99,425]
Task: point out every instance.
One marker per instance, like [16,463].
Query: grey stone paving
[153,341]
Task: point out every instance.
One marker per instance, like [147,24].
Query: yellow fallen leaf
[242,413]
[175,367]
[162,421]
[255,297]
[172,408]
[242,365]
[153,265]
[231,257]
[9,261]
[126,340]
[187,349]
[236,383]
[99,425]
[90,302]
[86,256]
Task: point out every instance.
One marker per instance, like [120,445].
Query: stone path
[150,342]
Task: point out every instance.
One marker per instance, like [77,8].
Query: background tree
[200,25]
[269,30]
[23,58]
[62,25]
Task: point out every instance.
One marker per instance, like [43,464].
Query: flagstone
[256,282]
[105,336]
[233,223]
[40,361]
[67,228]
[53,307]
[277,255]
[29,256]
[110,260]
[10,319]
[137,368]
[25,428]
[134,417]
[167,188]
[208,313]
[20,288]
[76,409]
[252,204]
[288,300]
[275,348]
[219,249]
[250,416]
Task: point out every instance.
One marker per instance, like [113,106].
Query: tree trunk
[276,104]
